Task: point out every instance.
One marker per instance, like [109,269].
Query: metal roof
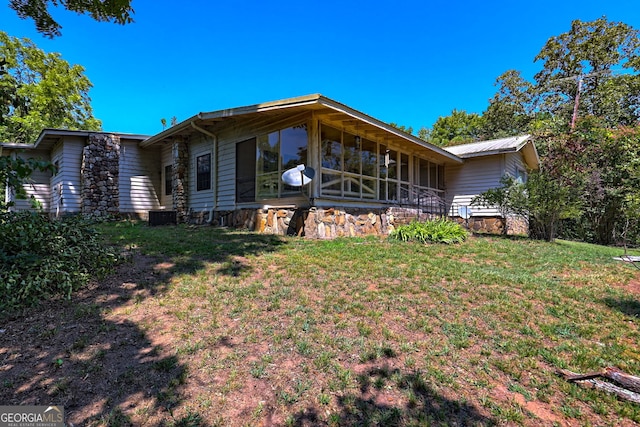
[511,144]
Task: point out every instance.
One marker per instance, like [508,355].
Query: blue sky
[408,62]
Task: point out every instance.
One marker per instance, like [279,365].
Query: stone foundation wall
[329,223]
[99,174]
[516,225]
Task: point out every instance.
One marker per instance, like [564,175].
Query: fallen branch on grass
[628,387]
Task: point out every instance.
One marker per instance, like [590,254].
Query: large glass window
[356,167]
[275,153]
[331,160]
[369,155]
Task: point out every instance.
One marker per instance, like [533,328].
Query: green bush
[41,258]
[437,231]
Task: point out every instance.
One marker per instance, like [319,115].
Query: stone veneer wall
[99,175]
[316,223]
[180,153]
[329,223]
[516,225]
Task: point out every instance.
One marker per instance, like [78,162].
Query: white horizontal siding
[37,185]
[204,199]
[66,185]
[468,180]
[139,178]
[513,162]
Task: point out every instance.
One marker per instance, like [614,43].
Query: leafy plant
[41,258]
[436,231]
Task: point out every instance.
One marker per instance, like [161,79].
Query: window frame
[203,178]
[168,180]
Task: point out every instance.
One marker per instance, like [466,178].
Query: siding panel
[475,176]
[37,185]
[66,185]
[204,199]
[139,178]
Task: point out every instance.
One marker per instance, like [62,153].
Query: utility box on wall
[162,218]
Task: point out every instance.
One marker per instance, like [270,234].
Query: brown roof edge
[298,102]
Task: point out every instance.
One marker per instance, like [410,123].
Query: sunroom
[360,165]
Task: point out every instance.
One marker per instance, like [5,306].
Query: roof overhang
[515,144]
[326,109]
[49,137]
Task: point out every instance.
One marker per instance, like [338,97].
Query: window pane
[404,167]
[268,185]
[392,168]
[203,179]
[392,191]
[351,153]
[369,158]
[433,172]
[423,171]
[331,184]
[351,186]
[440,185]
[268,148]
[369,189]
[293,146]
[384,161]
[331,148]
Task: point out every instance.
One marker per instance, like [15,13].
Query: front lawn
[206,326]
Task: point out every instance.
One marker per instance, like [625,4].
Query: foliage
[592,67]
[40,90]
[118,11]
[542,199]
[435,231]
[603,166]
[511,109]
[586,57]
[42,258]
[15,171]
[549,201]
[457,128]
[510,198]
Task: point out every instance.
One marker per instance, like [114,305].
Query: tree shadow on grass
[106,369]
[424,405]
[189,249]
[628,306]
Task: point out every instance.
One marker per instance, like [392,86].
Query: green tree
[511,109]
[584,61]
[544,200]
[40,90]
[118,11]
[403,128]
[457,128]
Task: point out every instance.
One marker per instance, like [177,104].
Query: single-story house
[360,175]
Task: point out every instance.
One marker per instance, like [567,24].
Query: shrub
[41,258]
[437,231]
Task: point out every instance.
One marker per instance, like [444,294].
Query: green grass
[376,331]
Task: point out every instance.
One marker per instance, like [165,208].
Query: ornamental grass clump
[41,258]
[435,231]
